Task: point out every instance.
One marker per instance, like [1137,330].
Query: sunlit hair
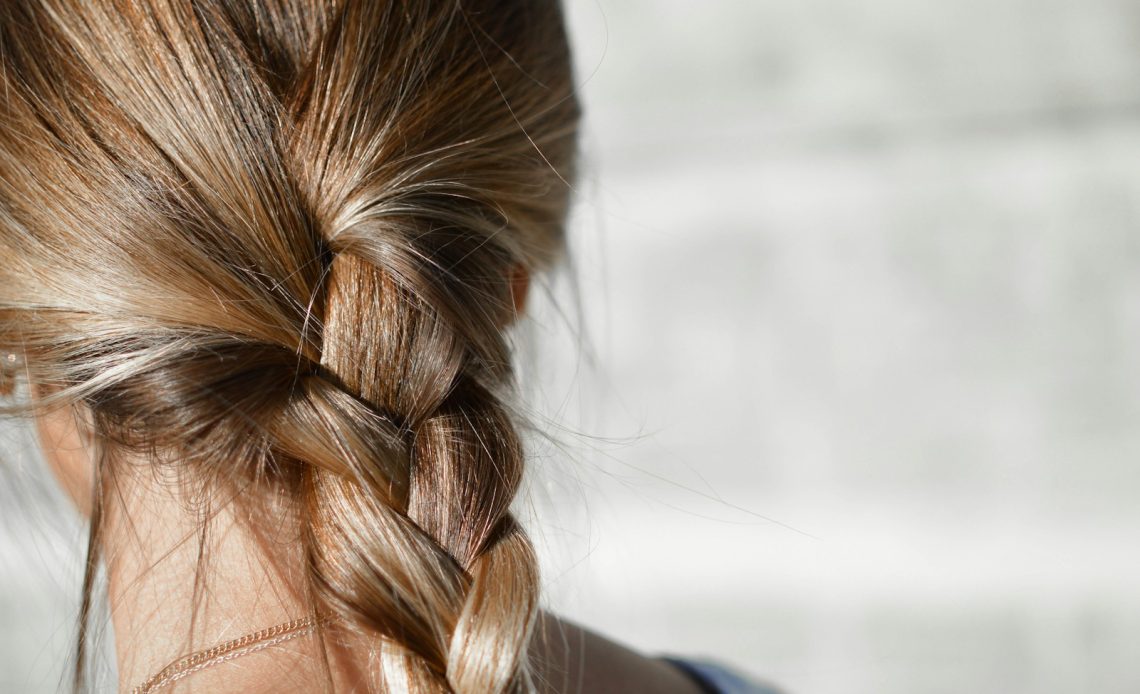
[269,245]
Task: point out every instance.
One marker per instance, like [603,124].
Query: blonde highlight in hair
[271,244]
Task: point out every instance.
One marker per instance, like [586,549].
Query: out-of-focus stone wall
[870,270]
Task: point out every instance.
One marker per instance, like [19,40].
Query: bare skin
[152,549]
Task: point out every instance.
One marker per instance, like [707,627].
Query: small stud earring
[8,374]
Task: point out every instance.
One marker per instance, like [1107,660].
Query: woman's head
[272,247]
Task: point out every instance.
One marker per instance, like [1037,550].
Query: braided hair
[271,244]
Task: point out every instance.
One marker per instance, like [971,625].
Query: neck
[175,590]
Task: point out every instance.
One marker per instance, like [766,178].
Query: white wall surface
[872,271]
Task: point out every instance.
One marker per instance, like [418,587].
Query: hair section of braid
[269,246]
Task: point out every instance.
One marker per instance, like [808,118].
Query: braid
[272,242]
[413,538]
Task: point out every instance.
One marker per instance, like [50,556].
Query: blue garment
[718,679]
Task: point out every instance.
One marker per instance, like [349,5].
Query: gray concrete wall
[872,271]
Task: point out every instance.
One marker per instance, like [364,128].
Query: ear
[520,288]
[67,450]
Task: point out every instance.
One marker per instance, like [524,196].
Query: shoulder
[569,658]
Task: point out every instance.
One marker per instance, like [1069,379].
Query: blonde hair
[270,244]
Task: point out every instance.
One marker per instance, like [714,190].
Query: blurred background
[848,397]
